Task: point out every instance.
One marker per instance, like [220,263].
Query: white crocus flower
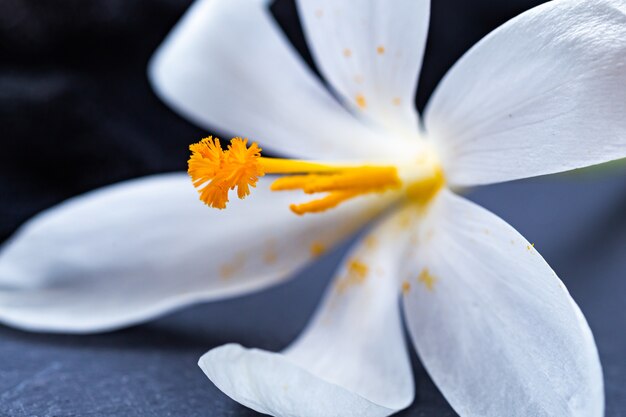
[492,324]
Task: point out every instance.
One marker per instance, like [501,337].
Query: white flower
[492,324]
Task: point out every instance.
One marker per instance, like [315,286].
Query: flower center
[214,172]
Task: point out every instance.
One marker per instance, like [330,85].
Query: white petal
[226,65]
[132,251]
[497,331]
[350,361]
[345,37]
[544,93]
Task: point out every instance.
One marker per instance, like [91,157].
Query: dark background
[76,113]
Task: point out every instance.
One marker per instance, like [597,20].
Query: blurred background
[77,113]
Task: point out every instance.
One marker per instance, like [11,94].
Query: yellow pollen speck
[404,221]
[427,279]
[406,287]
[317,249]
[530,247]
[227,270]
[371,242]
[270,257]
[360,101]
[380,50]
[357,273]
[347,53]
[396,101]
[357,268]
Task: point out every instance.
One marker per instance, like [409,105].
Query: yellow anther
[380,49]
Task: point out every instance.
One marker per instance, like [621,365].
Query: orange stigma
[214,171]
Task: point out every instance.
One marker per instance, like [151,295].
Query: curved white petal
[543,93]
[493,324]
[226,65]
[126,253]
[350,361]
[371,52]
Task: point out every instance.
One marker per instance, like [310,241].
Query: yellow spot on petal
[371,242]
[406,287]
[347,52]
[360,101]
[357,268]
[426,278]
[356,274]
[317,249]
[530,247]
[229,269]
[396,101]
[270,256]
[380,50]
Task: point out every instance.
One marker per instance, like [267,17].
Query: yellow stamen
[364,178]
[214,172]
[317,206]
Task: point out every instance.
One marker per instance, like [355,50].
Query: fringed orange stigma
[214,171]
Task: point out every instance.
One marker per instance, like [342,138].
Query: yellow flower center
[214,172]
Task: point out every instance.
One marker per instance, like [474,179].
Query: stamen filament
[293,166]
[364,178]
[332,200]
